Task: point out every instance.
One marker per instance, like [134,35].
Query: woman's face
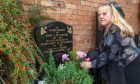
[104,16]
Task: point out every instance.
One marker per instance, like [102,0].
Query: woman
[118,56]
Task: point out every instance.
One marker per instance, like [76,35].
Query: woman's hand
[86,64]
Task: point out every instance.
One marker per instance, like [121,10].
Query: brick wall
[81,14]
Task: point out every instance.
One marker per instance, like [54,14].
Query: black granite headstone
[55,36]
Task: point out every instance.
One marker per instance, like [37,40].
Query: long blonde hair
[118,20]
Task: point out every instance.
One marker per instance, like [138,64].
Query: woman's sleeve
[109,54]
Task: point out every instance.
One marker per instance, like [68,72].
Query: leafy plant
[35,14]
[72,55]
[67,73]
[16,45]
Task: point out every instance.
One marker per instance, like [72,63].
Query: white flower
[61,66]
[81,54]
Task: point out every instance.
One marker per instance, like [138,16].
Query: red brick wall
[81,14]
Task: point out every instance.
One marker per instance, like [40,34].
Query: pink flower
[81,54]
[65,57]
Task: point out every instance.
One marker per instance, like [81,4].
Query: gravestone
[55,36]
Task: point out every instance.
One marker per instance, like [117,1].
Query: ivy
[18,51]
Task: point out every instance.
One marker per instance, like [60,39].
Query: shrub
[66,73]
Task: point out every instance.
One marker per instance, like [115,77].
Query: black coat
[117,58]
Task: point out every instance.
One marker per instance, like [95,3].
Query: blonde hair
[118,20]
